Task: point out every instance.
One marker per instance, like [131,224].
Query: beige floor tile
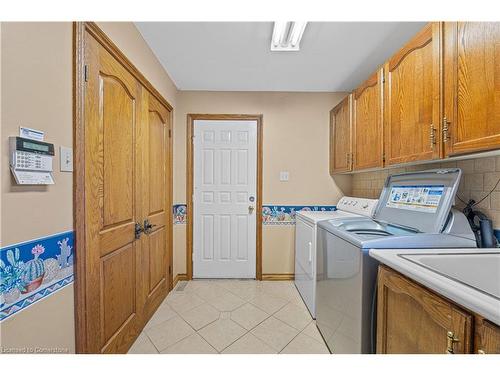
[181,302]
[249,344]
[226,302]
[200,316]
[222,333]
[303,344]
[193,344]
[312,331]
[162,314]
[209,290]
[193,285]
[248,316]
[297,299]
[143,346]
[268,303]
[296,316]
[245,290]
[168,333]
[275,333]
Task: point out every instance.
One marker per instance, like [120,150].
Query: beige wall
[295,139]
[478,179]
[36,91]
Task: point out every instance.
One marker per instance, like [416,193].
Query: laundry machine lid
[419,200]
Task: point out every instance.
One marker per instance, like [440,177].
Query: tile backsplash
[479,177]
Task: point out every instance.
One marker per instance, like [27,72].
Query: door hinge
[86,73]
[383,157]
[169,133]
[169,270]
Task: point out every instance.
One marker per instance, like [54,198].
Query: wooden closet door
[367,124]
[156,203]
[471,86]
[340,136]
[412,99]
[112,201]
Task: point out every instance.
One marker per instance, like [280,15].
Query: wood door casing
[340,136]
[155,253]
[412,320]
[471,86]
[367,132]
[111,201]
[412,99]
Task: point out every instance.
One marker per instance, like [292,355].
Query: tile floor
[231,317]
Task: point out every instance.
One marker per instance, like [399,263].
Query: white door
[225,186]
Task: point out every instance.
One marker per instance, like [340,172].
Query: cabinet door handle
[446,130]
[433,136]
[481,351]
[450,342]
[310,252]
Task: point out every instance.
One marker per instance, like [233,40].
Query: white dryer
[305,242]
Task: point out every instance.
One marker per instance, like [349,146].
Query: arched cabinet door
[340,136]
[412,99]
[471,120]
[367,140]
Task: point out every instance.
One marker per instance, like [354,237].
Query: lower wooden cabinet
[487,337]
[413,320]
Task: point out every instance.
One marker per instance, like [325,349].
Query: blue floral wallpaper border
[32,270]
[285,215]
[271,214]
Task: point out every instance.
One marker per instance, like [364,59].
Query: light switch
[284,176]
[66,156]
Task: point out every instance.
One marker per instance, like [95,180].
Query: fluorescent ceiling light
[287,35]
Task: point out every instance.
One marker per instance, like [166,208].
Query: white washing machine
[305,242]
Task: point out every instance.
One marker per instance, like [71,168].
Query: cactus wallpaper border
[32,270]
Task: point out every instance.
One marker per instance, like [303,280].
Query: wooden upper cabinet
[367,133]
[412,99]
[412,320]
[471,87]
[340,136]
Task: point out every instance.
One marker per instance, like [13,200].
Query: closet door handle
[148,226]
[138,230]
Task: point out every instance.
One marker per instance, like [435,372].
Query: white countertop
[464,295]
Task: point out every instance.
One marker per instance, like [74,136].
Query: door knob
[148,226]
[250,209]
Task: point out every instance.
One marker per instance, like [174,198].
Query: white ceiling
[236,56]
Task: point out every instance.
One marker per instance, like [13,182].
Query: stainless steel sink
[477,270]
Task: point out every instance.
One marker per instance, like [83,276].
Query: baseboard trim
[179,277]
[278,276]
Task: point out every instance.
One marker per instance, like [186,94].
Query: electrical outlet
[284,175]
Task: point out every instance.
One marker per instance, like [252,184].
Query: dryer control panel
[355,205]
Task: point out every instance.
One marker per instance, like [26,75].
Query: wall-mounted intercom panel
[31,161]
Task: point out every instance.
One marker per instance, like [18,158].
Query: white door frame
[190,187]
